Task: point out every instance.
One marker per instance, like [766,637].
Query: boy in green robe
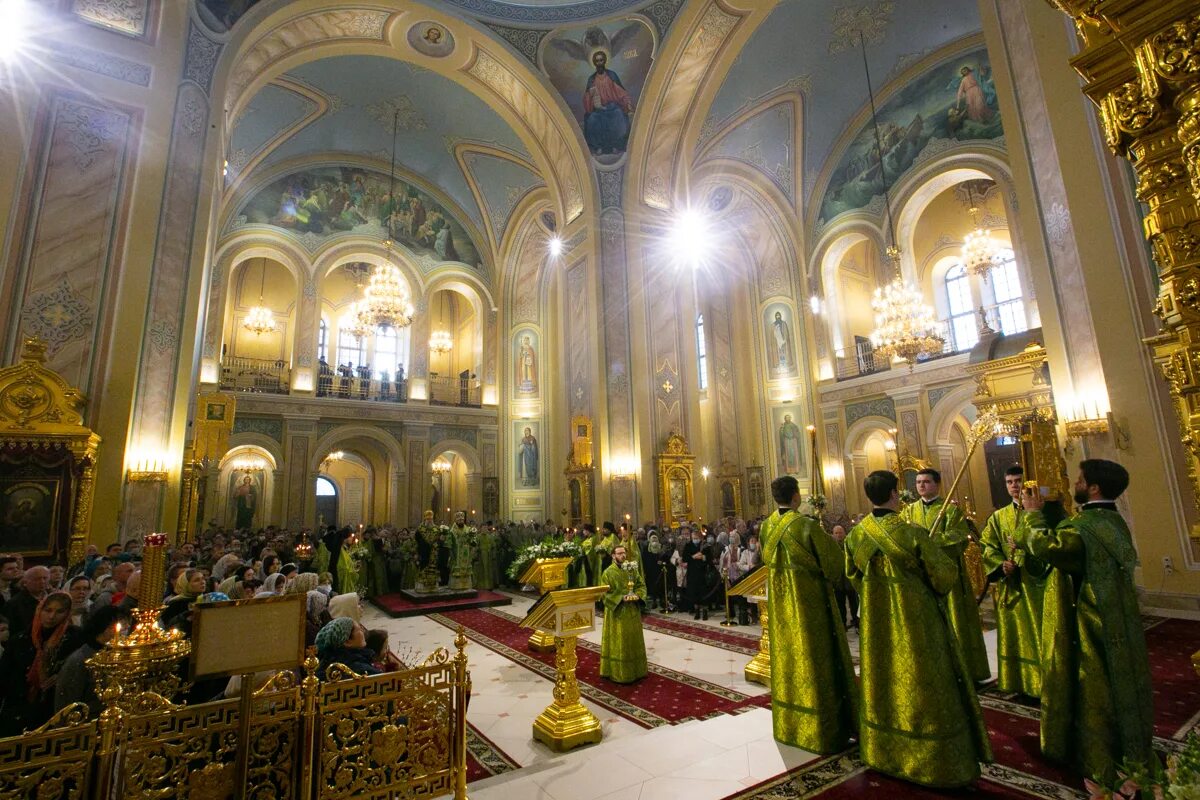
[1022,584]
[591,554]
[622,647]
[813,691]
[920,719]
[1097,701]
[951,536]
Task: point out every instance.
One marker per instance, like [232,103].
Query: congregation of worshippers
[895,582]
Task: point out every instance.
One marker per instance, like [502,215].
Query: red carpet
[1171,643]
[484,758]
[396,605]
[664,697]
[732,639]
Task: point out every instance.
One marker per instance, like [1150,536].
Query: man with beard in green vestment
[920,719]
[622,647]
[951,536]
[1097,701]
[1022,584]
[813,691]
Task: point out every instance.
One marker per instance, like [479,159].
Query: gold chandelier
[261,319]
[980,252]
[905,327]
[385,301]
[358,320]
[440,465]
[441,342]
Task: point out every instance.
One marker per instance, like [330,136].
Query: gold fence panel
[53,762]
[400,734]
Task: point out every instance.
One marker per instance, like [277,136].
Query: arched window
[325,487]
[1006,290]
[386,342]
[701,354]
[323,341]
[964,333]
[351,350]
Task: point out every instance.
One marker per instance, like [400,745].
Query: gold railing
[401,734]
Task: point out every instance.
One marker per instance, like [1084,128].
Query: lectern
[563,615]
[547,574]
[753,587]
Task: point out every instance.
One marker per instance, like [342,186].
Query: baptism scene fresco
[327,201]
[600,71]
[955,101]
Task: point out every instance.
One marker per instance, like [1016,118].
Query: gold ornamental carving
[1141,67]
[675,466]
[580,473]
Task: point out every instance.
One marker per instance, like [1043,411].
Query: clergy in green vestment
[919,717]
[1021,579]
[813,691]
[633,552]
[1097,701]
[485,561]
[592,556]
[951,535]
[622,647]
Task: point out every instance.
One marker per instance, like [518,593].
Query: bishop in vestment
[920,718]
[622,647]
[813,690]
[1097,701]
[951,535]
[1022,583]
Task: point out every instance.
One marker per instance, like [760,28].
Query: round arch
[955,404]
[247,462]
[261,442]
[344,433]
[460,448]
[863,428]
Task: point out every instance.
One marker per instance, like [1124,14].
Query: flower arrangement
[547,548]
[907,496]
[406,549]
[1179,781]
[817,501]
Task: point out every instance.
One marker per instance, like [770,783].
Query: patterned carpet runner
[664,697]
[484,758]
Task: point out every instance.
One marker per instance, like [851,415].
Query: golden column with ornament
[1140,62]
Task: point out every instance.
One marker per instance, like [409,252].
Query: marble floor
[697,760]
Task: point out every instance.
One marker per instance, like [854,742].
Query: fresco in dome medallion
[600,70]
[952,103]
[321,202]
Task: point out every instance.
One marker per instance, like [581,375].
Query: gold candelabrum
[147,658]
[754,587]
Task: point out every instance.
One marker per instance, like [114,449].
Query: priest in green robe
[591,554]
[486,575]
[1097,701]
[1021,578]
[920,718]
[814,704]
[622,647]
[952,536]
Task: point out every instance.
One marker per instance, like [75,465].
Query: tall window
[323,341]
[350,349]
[964,332]
[701,354]
[386,342]
[1006,286]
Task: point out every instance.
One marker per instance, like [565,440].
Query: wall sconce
[145,468]
[624,469]
[704,473]
[1090,415]
[248,465]
[834,471]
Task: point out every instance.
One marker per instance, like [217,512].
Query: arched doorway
[327,501]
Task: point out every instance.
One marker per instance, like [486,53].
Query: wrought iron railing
[362,387]
[454,391]
[241,374]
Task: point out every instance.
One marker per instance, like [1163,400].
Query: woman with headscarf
[80,589]
[224,564]
[345,605]
[344,641]
[32,662]
[305,585]
[270,566]
[176,613]
[75,683]
[272,585]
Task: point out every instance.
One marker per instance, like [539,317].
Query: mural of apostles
[527,459]
[326,201]
[525,363]
[600,75]
[954,101]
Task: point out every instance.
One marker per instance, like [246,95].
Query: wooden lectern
[547,574]
[754,588]
[563,615]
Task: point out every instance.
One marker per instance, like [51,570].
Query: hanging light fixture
[980,251]
[440,466]
[260,320]
[440,341]
[905,327]
[358,320]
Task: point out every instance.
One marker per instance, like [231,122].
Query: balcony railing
[241,374]
[361,387]
[454,391]
[960,335]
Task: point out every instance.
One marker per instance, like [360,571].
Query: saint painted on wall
[526,367]
[781,337]
[527,459]
[789,446]
[245,499]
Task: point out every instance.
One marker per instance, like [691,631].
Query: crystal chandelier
[441,342]
[358,320]
[260,320]
[440,466]
[386,299]
[905,327]
[980,251]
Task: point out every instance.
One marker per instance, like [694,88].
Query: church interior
[401,301]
